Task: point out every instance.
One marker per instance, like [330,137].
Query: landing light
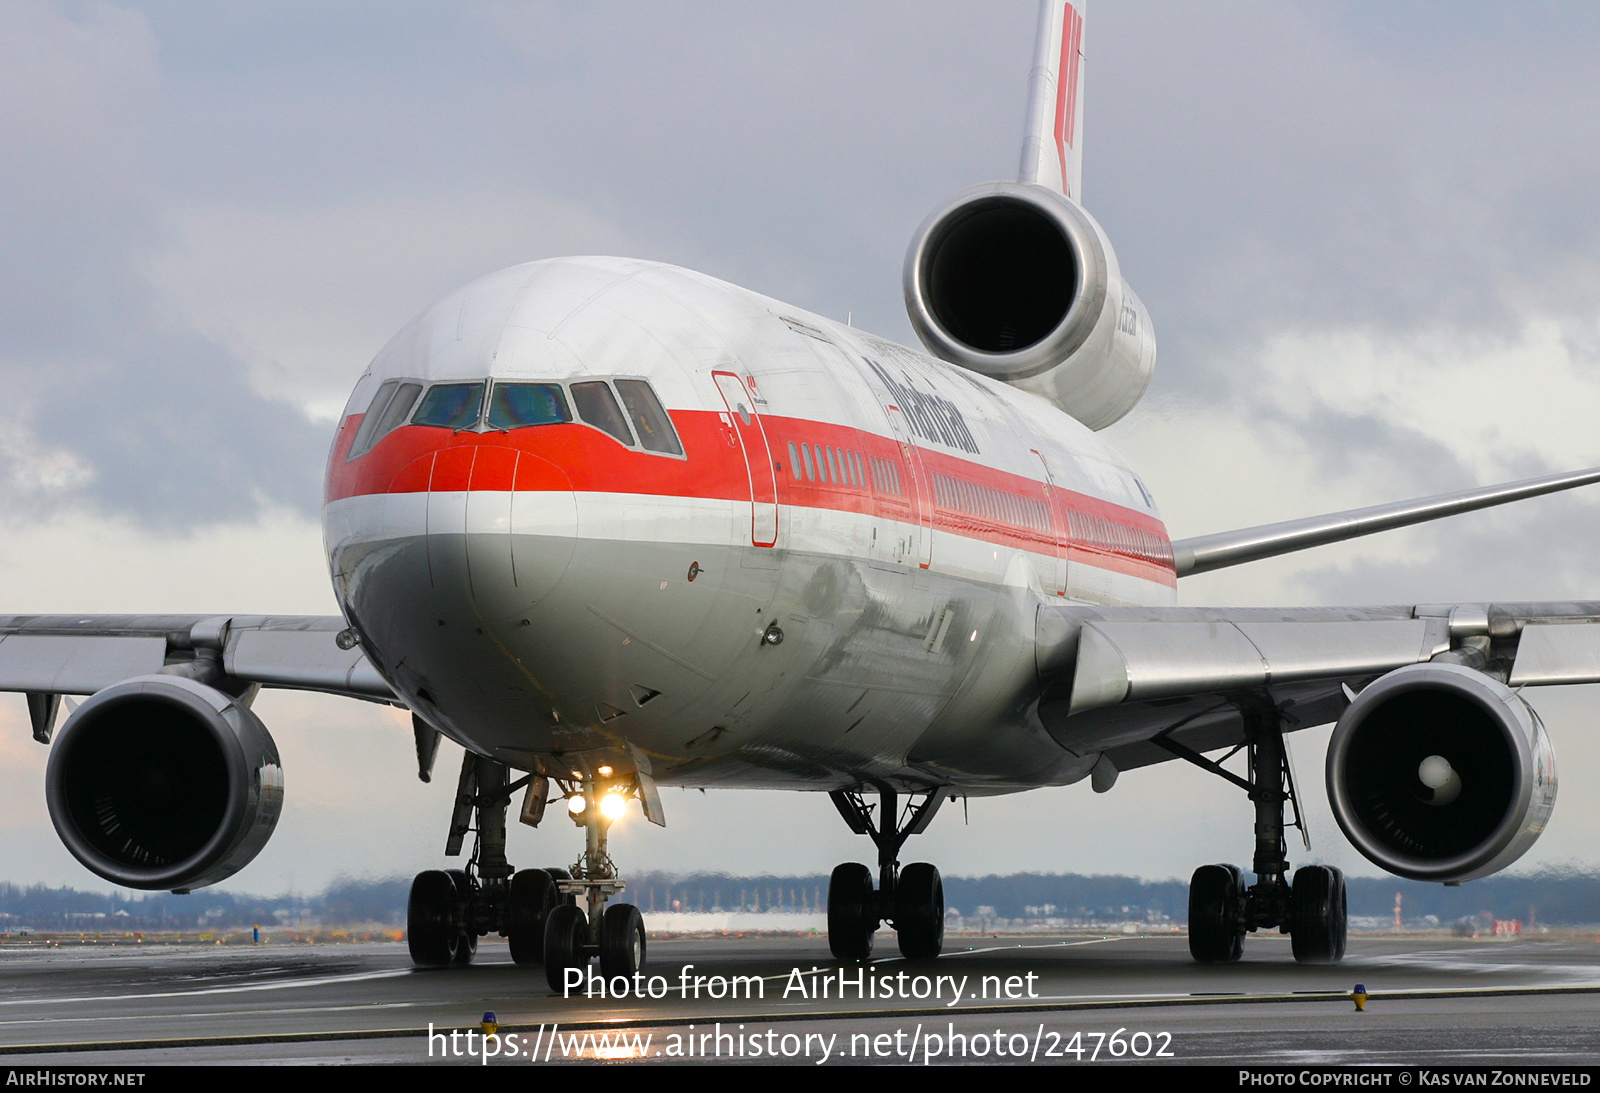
[605,772]
[576,804]
[612,805]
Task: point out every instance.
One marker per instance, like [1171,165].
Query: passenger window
[597,406]
[805,450]
[451,406]
[794,461]
[388,410]
[514,405]
[649,417]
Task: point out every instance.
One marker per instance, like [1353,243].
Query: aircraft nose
[501,524]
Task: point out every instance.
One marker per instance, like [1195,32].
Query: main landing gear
[911,899]
[450,909]
[1222,908]
[537,910]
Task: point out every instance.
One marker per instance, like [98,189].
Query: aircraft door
[757,458]
[1056,582]
[921,487]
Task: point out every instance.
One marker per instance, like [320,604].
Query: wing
[1204,553]
[1130,683]
[51,655]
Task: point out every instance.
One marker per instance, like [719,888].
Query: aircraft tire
[622,942]
[919,911]
[467,939]
[852,912]
[566,939]
[1317,915]
[431,931]
[1216,933]
[532,896]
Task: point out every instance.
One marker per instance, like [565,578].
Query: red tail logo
[1067,87]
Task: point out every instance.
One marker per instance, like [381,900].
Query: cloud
[1270,165]
[1366,235]
[134,414]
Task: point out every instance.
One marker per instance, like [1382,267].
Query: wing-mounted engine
[1437,772]
[160,782]
[1018,282]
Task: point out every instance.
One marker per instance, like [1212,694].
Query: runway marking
[1046,945]
[276,985]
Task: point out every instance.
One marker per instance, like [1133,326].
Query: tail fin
[1052,149]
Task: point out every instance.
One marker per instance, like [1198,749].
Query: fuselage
[600,511]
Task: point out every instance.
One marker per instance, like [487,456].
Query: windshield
[451,405]
[513,405]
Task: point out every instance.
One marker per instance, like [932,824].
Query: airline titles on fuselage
[930,416]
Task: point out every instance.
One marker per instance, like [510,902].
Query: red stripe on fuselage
[421,458]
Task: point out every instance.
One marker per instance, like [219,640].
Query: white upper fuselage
[829,575]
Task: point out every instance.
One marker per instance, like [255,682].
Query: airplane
[612,525]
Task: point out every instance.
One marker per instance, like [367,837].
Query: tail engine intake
[160,782]
[1437,772]
[1019,283]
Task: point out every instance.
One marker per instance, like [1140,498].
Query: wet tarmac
[1064,1000]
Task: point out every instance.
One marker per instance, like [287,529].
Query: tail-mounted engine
[1018,282]
[160,782]
[1438,772]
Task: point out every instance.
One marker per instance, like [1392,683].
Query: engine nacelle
[1438,772]
[1019,283]
[160,782]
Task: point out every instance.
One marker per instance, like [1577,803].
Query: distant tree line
[344,901]
[1551,898]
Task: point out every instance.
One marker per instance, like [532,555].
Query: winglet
[1204,553]
[1052,153]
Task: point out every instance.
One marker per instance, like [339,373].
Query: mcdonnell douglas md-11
[613,525]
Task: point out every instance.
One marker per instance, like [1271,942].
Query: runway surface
[1058,1000]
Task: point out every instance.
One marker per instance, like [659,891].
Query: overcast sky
[1368,236]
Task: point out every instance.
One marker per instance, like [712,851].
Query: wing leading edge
[82,654]
[1115,679]
[1203,553]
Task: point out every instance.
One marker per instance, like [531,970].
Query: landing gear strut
[615,934]
[1222,909]
[450,909]
[911,899]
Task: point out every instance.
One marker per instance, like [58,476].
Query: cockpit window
[451,406]
[597,406]
[649,418]
[389,408]
[513,405]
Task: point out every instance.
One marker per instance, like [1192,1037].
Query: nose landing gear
[911,899]
[614,934]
